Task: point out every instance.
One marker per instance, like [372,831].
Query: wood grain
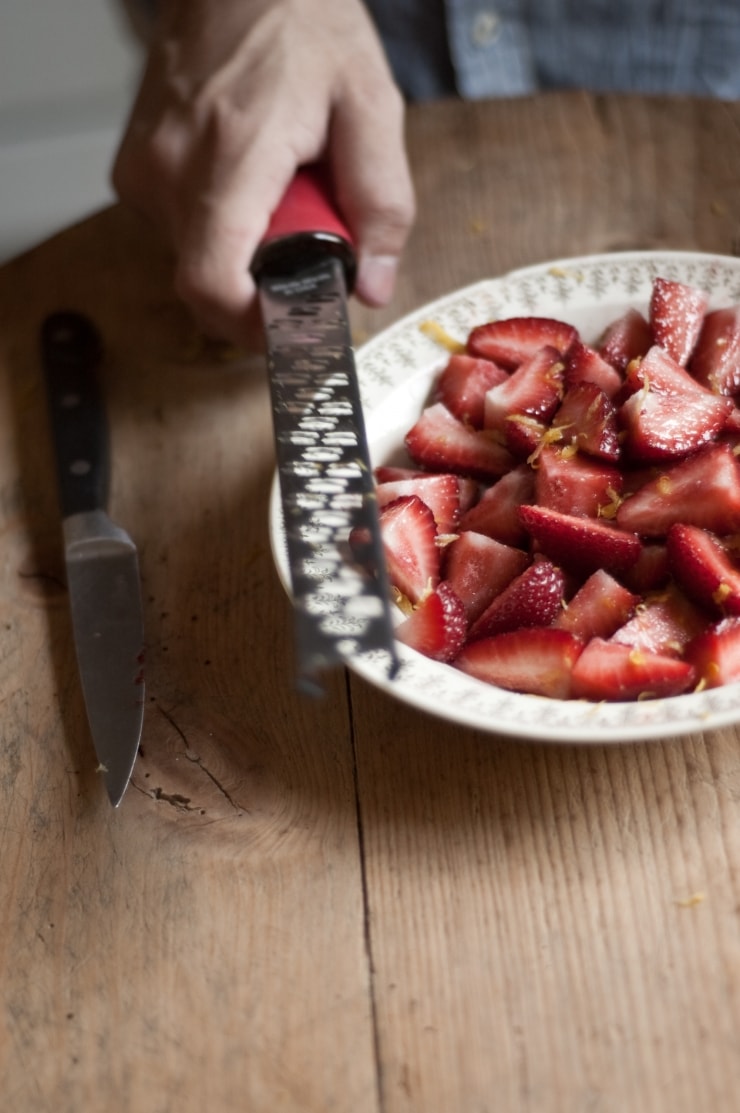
[343,905]
[554,928]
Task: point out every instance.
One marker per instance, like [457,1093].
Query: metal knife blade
[304,269]
[100,557]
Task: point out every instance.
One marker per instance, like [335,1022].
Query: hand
[236,95]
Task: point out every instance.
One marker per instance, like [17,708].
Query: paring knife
[304,270]
[101,559]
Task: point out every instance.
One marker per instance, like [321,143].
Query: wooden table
[343,905]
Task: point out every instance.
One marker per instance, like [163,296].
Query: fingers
[227,112]
[373,187]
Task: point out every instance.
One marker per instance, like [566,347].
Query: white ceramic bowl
[396,370]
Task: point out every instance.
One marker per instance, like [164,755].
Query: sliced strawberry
[676,316]
[573,484]
[580,544]
[389,473]
[478,568]
[497,512]
[409,537]
[533,598]
[606,670]
[598,608]
[583,364]
[531,393]
[441,493]
[669,414]
[716,359]
[703,490]
[441,442]
[463,384]
[627,338]
[663,623]
[715,654]
[588,420]
[704,569]
[513,341]
[650,570]
[537,661]
[437,626]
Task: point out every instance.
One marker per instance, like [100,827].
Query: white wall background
[68,70]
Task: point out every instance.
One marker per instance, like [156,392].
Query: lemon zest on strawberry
[720,593]
[665,485]
[402,601]
[609,509]
[436,332]
[442,540]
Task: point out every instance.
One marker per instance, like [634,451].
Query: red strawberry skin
[437,626]
[606,670]
[497,512]
[598,609]
[664,623]
[715,653]
[582,545]
[583,364]
[536,661]
[441,493]
[533,391]
[669,414]
[704,569]
[716,359]
[478,568]
[534,598]
[512,341]
[677,313]
[627,338]
[588,419]
[463,384]
[440,441]
[703,490]
[573,484]
[409,536]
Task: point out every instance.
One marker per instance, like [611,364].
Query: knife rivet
[79,467]
[69,401]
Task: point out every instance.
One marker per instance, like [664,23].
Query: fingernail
[376,278]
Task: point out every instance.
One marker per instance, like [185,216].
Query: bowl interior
[396,371]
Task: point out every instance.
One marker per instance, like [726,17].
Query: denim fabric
[511,47]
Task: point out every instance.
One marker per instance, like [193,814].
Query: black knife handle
[71,351]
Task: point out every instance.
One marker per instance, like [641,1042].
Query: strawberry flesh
[533,598]
[587,419]
[580,544]
[437,626]
[703,490]
[442,442]
[715,653]
[536,661]
[573,484]
[463,384]
[478,568]
[412,556]
[676,315]
[704,569]
[716,359]
[598,609]
[513,341]
[607,670]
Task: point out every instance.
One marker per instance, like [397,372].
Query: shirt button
[485,29]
